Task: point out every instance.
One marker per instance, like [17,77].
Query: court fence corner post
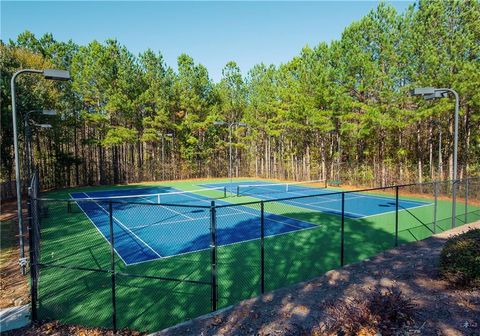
[454,203]
[213,251]
[112,266]
[435,204]
[32,249]
[262,247]
[342,233]
[396,215]
[466,199]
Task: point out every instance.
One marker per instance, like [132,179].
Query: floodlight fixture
[54,74]
[430,93]
[422,91]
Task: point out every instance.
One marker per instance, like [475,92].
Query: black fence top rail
[46,199]
[101,270]
[184,205]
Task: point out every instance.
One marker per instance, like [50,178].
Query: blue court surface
[149,231]
[357,204]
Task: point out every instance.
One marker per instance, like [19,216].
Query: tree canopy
[338,110]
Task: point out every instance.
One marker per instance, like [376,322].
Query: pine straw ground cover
[56,329]
[14,290]
[405,281]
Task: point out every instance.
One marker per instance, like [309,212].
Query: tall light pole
[433,93]
[28,137]
[50,74]
[230,127]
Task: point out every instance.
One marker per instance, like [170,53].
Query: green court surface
[84,296]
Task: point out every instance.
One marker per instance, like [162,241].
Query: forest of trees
[338,110]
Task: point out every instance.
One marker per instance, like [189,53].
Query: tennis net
[304,187]
[176,197]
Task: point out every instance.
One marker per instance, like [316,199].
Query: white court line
[245,212]
[163,206]
[174,222]
[273,220]
[367,216]
[101,233]
[405,209]
[359,195]
[119,222]
[234,243]
[332,200]
[297,228]
[324,207]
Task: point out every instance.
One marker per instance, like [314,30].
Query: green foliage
[119,135]
[344,102]
[460,260]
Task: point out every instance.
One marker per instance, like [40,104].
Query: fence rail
[147,266]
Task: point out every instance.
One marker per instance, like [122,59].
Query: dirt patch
[14,289]
[302,309]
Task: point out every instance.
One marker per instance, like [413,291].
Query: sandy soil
[14,289]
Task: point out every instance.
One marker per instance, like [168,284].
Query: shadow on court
[153,295]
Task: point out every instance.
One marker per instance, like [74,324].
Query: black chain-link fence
[147,266]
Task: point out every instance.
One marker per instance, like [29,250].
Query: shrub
[382,312]
[460,260]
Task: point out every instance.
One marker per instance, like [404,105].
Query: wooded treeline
[336,111]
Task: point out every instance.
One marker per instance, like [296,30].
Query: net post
[262,247]
[224,192]
[342,233]
[33,261]
[454,203]
[238,190]
[466,200]
[435,204]
[112,266]
[69,206]
[213,252]
[158,199]
[396,215]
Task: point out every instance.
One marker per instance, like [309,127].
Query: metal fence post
[396,216]
[112,266]
[213,251]
[435,204]
[342,233]
[262,247]
[466,200]
[33,259]
[454,203]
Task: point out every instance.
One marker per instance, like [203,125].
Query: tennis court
[170,263]
[164,229]
[357,205]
